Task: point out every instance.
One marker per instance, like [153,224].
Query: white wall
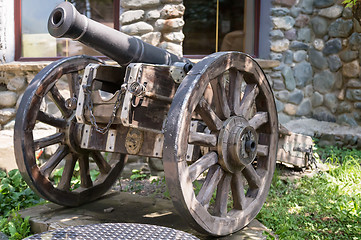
[7,34]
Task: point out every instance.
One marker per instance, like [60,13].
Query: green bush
[14,195]
[15,226]
[349,3]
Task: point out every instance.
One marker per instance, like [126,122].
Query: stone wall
[14,78]
[318,43]
[158,22]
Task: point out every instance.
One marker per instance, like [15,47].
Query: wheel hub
[237,144]
[73,133]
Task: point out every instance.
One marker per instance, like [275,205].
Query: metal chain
[89,104]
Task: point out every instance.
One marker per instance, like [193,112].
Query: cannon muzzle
[66,21]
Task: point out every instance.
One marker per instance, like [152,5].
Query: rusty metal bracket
[177,72]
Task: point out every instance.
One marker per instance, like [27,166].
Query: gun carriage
[214,124]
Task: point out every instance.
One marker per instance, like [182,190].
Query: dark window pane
[200,26]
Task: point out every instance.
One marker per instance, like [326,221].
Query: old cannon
[214,124]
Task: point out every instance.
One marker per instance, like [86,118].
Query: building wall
[318,43]
[158,22]
[7,38]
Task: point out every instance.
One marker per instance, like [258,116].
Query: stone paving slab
[121,207]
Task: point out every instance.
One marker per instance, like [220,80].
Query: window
[32,37]
[220,25]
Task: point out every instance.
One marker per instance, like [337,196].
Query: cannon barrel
[66,21]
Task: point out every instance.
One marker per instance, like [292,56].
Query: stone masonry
[318,44]
[14,78]
[157,22]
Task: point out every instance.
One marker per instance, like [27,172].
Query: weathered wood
[214,175]
[248,100]
[202,164]
[223,188]
[47,168]
[73,82]
[51,120]
[202,139]
[67,131]
[220,98]
[102,164]
[64,183]
[239,198]
[253,179]
[49,140]
[60,101]
[151,145]
[207,114]
[85,180]
[193,102]
[234,98]
[258,119]
[262,150]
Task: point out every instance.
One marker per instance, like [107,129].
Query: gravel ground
[153,186]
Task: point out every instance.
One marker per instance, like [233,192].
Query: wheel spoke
[202,164]
[253,179]
[262,150]
[234,96]
[73,81]
[85,180]
[208,115]
[49,140]
[239,198]
[64,183]
[51,120]
[248,100]
[47,168]
[214,175]
[102,164]
[222,195]
[60,101]
[220,98]
[202,139]
[259,119]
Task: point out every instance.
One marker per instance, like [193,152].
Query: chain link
[89,104]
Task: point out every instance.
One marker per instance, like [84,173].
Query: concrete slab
[120,207]
[7,157]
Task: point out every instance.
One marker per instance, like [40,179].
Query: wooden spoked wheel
[225,107]
[45,125]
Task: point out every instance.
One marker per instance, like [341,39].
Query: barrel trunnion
[214,123]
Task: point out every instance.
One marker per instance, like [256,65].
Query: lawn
[325,206]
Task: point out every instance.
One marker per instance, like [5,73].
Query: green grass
[325,206]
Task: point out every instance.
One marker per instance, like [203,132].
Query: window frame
[18,33]
[256,35]
[116,15]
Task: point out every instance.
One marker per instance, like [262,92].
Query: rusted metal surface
[202,190]
[32,114]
